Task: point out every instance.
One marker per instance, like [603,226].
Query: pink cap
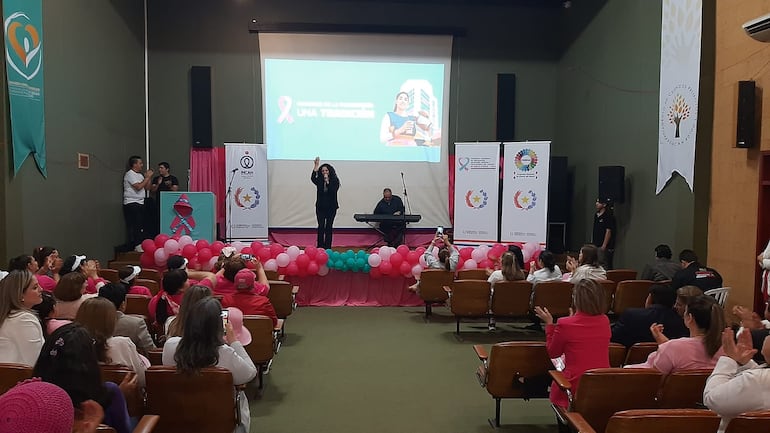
[236,319]
[36,407]
[244,279]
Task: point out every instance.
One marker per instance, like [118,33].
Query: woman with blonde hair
[175,324]
[21,335]
[583,338]
[509,271]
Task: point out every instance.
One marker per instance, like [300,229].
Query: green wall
[498,40]
[93,60]
[607,90]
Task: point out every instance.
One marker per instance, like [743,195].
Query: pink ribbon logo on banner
[284,103]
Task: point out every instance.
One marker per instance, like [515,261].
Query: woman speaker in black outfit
[327,184]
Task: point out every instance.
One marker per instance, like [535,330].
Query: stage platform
[354,289]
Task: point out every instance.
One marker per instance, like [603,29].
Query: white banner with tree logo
[679,82]
[246,193]
[525,191]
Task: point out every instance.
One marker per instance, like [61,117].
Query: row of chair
[679,420]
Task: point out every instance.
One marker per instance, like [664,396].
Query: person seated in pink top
[88,267]
[166,303]
[46,313]
[246,298]
[225,278]
[195,277]
[30,263]
[583,338]
[705,320]
[47,274]
[127,275]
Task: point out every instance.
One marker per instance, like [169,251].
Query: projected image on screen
[353,111]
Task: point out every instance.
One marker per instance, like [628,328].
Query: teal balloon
[335,256]
[360,262]
[361,254]
[350,262]
[338,264]
[367,268]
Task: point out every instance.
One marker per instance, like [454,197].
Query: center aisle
[383,370]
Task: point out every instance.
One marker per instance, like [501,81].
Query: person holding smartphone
[447,257]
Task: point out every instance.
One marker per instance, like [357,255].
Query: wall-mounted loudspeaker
[506,106]
[200,106]
[746,131]
[612,180]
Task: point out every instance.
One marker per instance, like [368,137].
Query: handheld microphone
[402,174]
[234,170]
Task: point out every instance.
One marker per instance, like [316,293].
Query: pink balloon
[375,273]
[189,251]
[283,260]
[470,264]
[201,244]
[321,257]
[270,265]
[460,263]
[416,271]
[292,269]
[403,250]
[303,261]
[216,248]
[246,250]
[293,252]
[148,245]
[205,255]
[255,247]
[311,252]
[312,268]
[465,253]
[161,257]
[207,266]
[413,257]
[275,249]
[264,254]
[405,268]
[486,264]
[147,259]
[374,260]
[420,250]
[323,270]
[385,267]
[536,255]
[171,246]
[160,240]
[194,264]
[396,259]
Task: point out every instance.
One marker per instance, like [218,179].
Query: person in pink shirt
[46,259]
[702,349]
[88,267]
[246,299]
[583,338]
[225,278]
[127,275]
[166,303]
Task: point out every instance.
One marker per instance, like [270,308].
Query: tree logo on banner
[525,200]
[22,46]
[476,199]
[247,201]
[676,111]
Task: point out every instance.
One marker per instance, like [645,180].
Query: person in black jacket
[633,326]
[695,274]
[327,184]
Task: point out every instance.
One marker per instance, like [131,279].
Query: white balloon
[470,264]
[283,260]
[185,240]
[478,255]
[423,263]
[271,265]
[323,270]
[385,253]
[416,271]
[293,252]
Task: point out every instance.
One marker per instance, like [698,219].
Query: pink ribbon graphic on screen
[183,221]
[284,103]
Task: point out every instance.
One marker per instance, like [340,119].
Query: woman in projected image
[327,184]
[398,126]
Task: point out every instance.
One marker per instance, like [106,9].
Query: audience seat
[617,355]
[11,374]
[146,425]
[151,274]
[204,402]
[750,422]
[469,298]
[153,285]
[639,352]
[630,294]
[510,299]
[155,356]
[264,340]
[472,274]
[432,282]
[138,305]
[609,287]
[515,369]
[721,294]
[661,421]
[110,275]
[618,275]
[273,275]
[116,374]
[604,391]
[683,389]
[556,296]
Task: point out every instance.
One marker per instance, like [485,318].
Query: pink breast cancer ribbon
[284,103]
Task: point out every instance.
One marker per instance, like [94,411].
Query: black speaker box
[200,106]
[612,180]
[746,130]
[506,106]
[559,197]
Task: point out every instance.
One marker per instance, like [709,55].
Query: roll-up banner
[477,180]
[525,192]
[246,191]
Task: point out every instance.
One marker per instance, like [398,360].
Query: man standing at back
[393,231]
[663,268]
[134,185]
[604,231]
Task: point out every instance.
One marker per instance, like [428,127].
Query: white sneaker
[139,249]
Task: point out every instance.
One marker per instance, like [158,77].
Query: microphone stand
[403,214]
[228,236]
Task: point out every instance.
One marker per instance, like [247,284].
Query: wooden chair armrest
[560,380]
[481,352]
[279,325]
[147,424]
[579,423]
[281,277]
[294,290]
[448,290]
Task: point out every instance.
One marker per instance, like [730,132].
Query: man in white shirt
[134,185]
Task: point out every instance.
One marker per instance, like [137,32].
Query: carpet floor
[385,370]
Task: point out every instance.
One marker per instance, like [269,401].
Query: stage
[354,289]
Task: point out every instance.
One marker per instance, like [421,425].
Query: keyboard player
[391,205]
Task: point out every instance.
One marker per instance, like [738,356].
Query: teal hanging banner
[23,24]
